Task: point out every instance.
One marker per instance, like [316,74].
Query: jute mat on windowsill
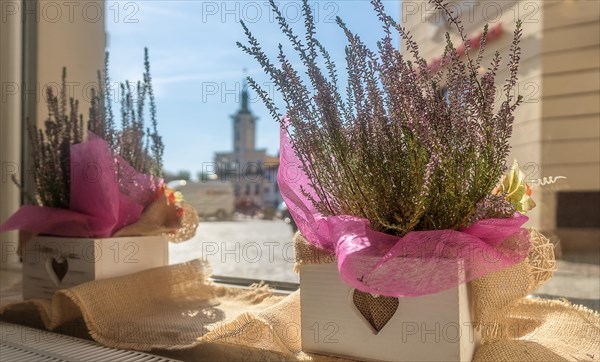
[174,311]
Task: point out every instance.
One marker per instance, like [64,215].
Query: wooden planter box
[429,328]
[54,263]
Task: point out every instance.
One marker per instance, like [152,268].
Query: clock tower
[252,171]
[244,127]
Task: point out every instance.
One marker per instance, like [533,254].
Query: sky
[197,68]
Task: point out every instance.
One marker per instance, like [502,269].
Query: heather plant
[392,147]
[50,148]
[140,147]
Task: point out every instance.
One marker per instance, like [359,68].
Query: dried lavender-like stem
[157,145]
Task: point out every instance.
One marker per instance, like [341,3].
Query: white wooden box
[54,263]
[434,327]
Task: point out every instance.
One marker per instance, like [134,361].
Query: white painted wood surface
[429,328]
[87,260]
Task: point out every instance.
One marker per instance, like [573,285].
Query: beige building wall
[77,40]
[556,130]
[571,108]
[10,128]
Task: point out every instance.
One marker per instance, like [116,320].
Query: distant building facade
[252,171]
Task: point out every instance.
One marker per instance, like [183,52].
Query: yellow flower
[178,196]
[515,189]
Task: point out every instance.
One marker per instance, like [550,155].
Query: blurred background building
[557,128]
[252,171]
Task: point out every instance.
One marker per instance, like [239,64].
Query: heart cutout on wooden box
[57,268]
[377,311]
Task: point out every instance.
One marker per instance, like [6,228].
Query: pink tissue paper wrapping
[106,195]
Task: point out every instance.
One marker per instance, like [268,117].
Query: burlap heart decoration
[377,311]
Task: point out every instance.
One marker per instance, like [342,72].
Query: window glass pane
[204,108]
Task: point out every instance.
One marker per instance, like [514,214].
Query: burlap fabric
[377,310]
[173,311]
[160,218]
[176,312]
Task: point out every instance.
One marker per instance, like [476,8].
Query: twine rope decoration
[542,260]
